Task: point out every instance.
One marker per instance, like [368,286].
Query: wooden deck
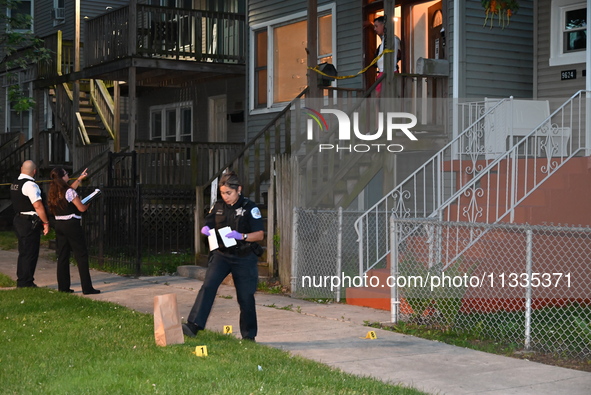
[166,46]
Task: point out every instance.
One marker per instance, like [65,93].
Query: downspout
[456,67]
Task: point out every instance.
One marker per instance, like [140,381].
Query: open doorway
[420,27]
[371,11]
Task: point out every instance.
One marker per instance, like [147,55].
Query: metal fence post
[361,238]
[339,251]
[101,229]
[294,250]
[528,299]
[394,302]
[138,229]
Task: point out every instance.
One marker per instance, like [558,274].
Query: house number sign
[568,75]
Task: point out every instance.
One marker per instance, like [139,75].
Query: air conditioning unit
[59,13]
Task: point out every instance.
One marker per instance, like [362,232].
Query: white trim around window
[558,56]
[175,120]
[272,106]
[31,12]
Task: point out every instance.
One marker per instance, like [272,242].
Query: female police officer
[244,218]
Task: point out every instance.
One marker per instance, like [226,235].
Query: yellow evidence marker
[227,329]
[370,335]
[201,351]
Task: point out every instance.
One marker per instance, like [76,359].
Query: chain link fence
[325,248]
[517,284]
[522,284]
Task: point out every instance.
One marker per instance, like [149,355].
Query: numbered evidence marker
[370,335]
[227,329]
[201,351]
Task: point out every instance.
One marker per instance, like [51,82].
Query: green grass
[55,343]
[8,240]
[6,282]
[559,335]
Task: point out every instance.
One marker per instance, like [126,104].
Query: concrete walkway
[333,334]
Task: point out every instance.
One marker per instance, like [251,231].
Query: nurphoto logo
[388,124]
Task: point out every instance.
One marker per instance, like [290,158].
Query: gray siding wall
[349,46]
[496,62]
[548,83]
[44,21]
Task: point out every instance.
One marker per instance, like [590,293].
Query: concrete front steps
[562,199]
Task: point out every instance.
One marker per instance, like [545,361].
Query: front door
[217,119]
[436,35]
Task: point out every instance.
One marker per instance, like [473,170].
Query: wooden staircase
[95,129]
[94,117]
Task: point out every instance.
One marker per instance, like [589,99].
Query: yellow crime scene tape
[38,182]
[315,68]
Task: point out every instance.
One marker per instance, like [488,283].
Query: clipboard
[97,192]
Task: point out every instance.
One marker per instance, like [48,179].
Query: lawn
[55,343]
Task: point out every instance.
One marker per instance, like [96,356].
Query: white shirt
[380,62]
[31,190]
[71,194]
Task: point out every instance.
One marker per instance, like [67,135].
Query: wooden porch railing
[63,108]
[95,158]
[177,163]
[169,33]
[62,56]
[103,103]
[53,150]
[9,142]
[11,164]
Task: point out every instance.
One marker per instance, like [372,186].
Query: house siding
[90,8]
[497,61]
[548,82]
[348,57]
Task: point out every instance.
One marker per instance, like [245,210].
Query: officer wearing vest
[66,206]
[29,221]
[243,217]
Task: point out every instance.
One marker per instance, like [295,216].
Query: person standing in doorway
[66,206]
[380,29]
[243,218]
[30,220]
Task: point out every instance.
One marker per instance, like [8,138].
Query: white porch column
[588,88]
[456,68]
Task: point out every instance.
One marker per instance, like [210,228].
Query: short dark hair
[380,19]
[231,180]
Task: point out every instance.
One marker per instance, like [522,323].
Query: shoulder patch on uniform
[256,213]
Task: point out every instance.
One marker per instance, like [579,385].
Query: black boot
[190,329]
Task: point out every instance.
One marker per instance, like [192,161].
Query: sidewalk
[332,334]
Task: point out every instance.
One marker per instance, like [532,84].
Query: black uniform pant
[245,275]
[70,237]
[29,240]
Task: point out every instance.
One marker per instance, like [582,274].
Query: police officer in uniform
[244,219]
[29,221]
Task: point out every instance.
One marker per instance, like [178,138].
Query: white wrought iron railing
[500,185]
[470,179]
[422,192]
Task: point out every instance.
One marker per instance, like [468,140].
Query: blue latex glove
[205,230]
[234,235]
